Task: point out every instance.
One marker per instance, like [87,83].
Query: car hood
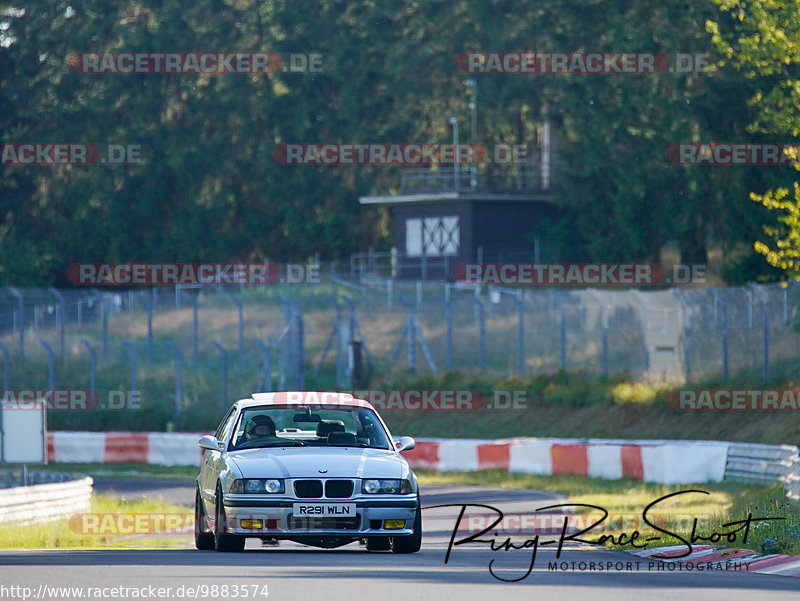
[306,462]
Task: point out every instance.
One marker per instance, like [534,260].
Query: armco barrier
[667,462]
[159,448]
[662,461]
[765,464]
[45,502]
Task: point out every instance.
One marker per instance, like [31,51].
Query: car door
[212,460]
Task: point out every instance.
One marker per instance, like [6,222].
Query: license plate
[324,510]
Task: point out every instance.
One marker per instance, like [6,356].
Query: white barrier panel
[459,455]
[604,461]
[79,447]
[45,502]
[677,463]
[531,458]
[173,448]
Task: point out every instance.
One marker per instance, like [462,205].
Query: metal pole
[240,308]
[20,318]
[104,319]
[765,310]
[194,331]
[520,333]
[178,379]
[149,304]
[725,342]
[454,123]
[6,355]
[300,350]
[224,390]
[473,131]
[448,312]
[50,365]
[92,367]
[61,318]
[481,333]
[786,305]
[134,364]
[268,356]
[687,349]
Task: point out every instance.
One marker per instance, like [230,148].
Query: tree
[762,39]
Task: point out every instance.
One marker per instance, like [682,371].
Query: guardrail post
[224,391]
[50,365]
[61,318]
[92,367]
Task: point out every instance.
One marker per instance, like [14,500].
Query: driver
[260,426]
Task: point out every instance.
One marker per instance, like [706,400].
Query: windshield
[268,426]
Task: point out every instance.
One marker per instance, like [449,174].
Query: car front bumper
[278,521]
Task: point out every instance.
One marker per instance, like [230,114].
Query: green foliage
[762,39]
[209,188]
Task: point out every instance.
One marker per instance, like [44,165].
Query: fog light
[251,524]
[394,524]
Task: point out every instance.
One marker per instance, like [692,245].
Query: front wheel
[223,541]
[202,540]
[412,542]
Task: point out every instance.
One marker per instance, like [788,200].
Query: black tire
[378,543]
[202,540]
[413,542]
[222,541]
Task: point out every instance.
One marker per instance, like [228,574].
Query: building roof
[453,196]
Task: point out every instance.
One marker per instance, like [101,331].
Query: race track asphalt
[294,572]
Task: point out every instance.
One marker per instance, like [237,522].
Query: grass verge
[105,526]
[626,499]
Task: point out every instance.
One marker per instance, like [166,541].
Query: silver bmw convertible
[319,469]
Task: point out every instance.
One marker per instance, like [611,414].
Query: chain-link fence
[187,351]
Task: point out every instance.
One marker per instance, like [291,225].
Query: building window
[432,236]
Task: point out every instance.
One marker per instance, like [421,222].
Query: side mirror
[208,442]
[406,443]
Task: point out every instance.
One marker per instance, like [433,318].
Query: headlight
[258,486]
[386,487]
